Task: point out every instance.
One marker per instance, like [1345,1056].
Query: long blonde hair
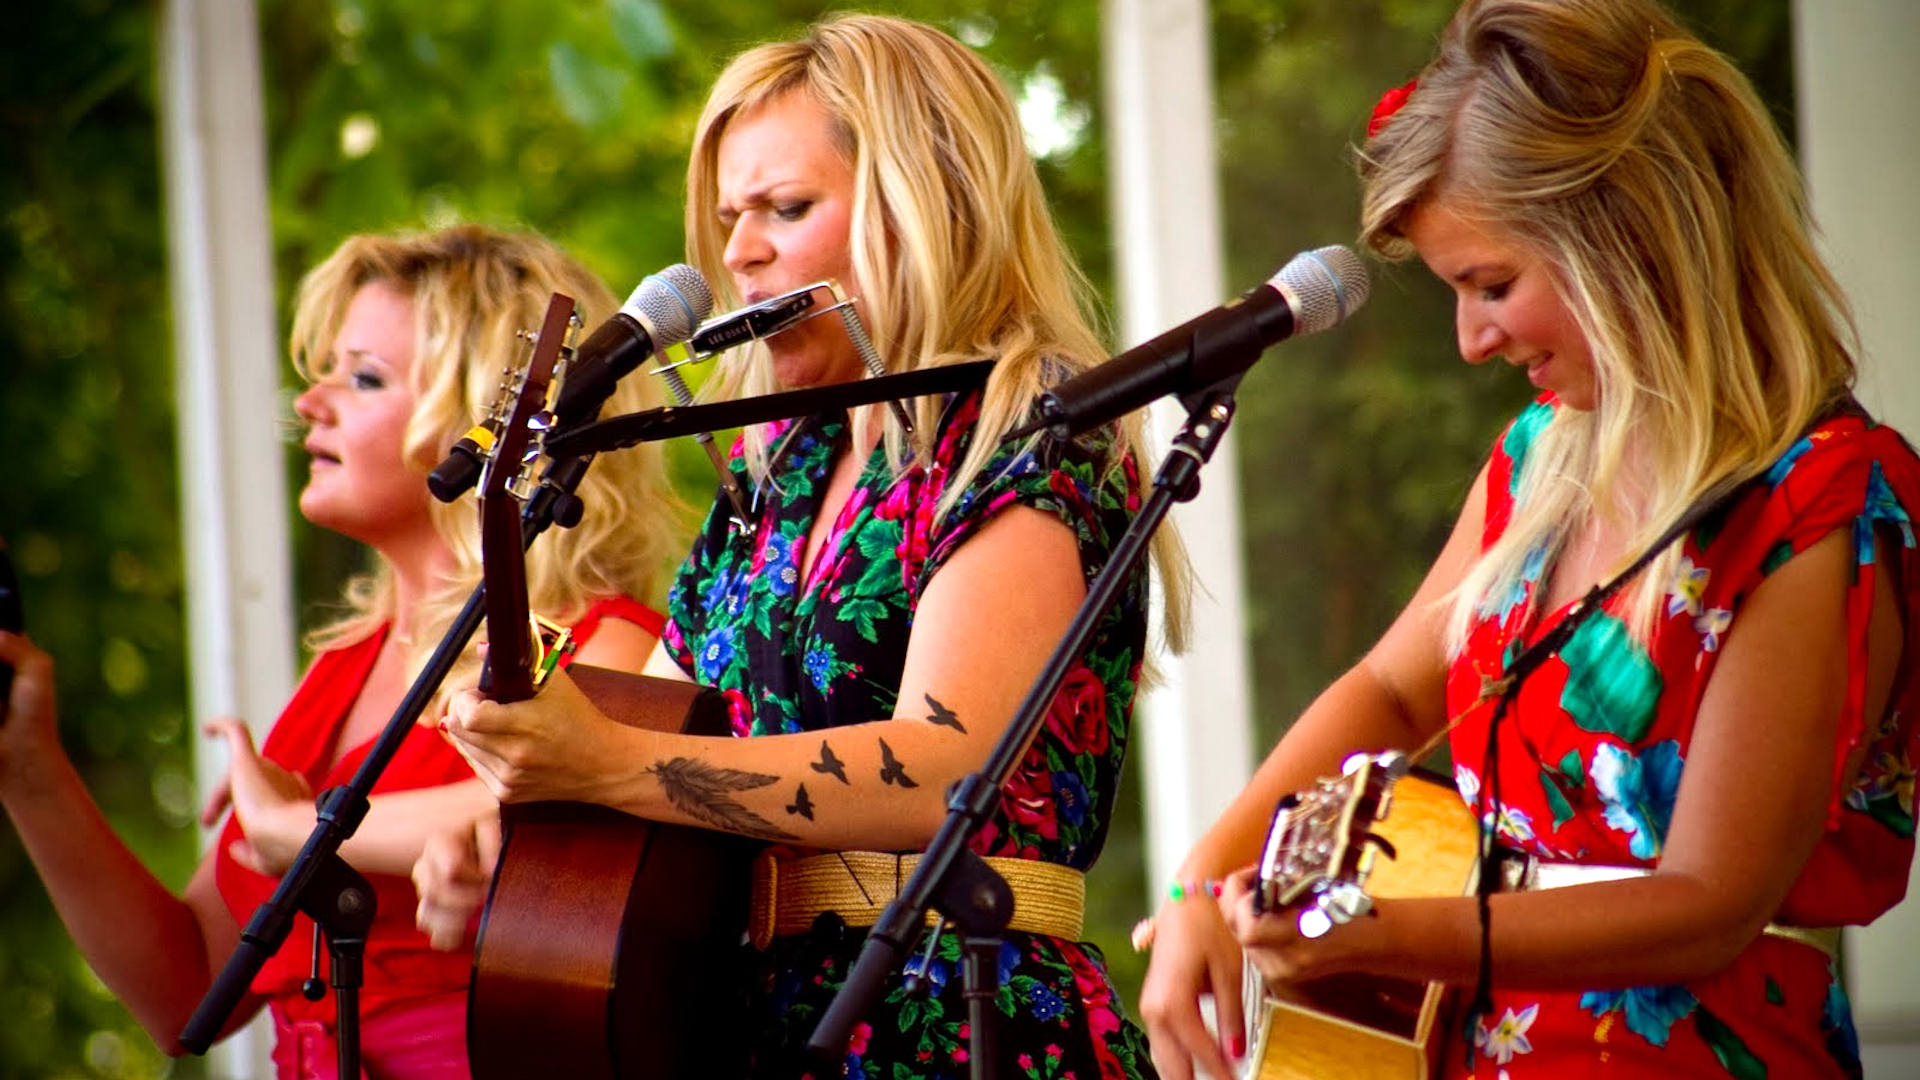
[1643,167]
[473,289]
[951,240]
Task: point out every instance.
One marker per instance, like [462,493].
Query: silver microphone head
[1323,287]
[670,304]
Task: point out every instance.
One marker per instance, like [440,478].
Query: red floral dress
[402,969]
[1591,754]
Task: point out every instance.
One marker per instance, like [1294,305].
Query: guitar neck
[508,675]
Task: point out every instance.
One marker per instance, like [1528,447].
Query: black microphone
[1315,291]
[664,310]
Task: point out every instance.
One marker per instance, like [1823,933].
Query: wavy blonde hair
[1643,167]
[473,289]
[951,240]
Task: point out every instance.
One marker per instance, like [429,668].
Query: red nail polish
[1239,1047]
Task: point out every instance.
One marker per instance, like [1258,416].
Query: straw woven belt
[790,893]
[1525,874]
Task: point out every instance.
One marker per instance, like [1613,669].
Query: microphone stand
[319,882]
[949,877]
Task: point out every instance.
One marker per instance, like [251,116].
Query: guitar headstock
[1320,848]
[506,474]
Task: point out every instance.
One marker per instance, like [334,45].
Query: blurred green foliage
[572,117]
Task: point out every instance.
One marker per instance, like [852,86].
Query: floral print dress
[1592,752]
[793,655]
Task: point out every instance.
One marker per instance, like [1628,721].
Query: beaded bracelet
[1181,890]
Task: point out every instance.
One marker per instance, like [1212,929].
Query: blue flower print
[1519,439]
[1638,791]
[1651,1011]
[1779,470]
[819,666]
[1836,1019]
[1045,1004]
[1882,506]
[1070,797]
[934,970]
[782,572]
[716,653]
[1516,594]
[726,591]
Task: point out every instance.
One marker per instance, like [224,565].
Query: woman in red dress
[401,340]
[1717,758]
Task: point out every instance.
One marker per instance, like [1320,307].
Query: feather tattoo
[703,791]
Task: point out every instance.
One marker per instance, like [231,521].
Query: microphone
[1316,290]
[663,310]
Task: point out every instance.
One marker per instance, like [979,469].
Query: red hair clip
[1390,103]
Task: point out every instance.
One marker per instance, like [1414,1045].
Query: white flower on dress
[1508,1037]
[1710,625]
[1689,585]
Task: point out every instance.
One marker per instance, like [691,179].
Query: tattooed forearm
[829,764]
[704,792]
[943,716]
[892,770]
[801,805]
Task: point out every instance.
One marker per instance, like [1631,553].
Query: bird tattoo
[801,805]
[891,770]
[829,764]
[943,716]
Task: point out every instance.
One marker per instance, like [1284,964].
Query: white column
[239,606]
[1193,736]
[1861,151]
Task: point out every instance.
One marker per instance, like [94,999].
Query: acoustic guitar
[1376,830]
[605,948]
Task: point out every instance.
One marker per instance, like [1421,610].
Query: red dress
[402,970]
[1591,754]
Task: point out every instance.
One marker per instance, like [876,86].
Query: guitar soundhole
[1382,1004]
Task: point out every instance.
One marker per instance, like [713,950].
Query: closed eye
[793,211]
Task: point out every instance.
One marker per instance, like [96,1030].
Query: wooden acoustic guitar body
[609,944]
[1369,1027]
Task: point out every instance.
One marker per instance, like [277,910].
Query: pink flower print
[739,712]
[899,500]
[1096,997]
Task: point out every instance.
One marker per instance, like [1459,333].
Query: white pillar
[1861,152]
[239,593]
[1194,733]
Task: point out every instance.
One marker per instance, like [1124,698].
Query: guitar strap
[1507,687]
